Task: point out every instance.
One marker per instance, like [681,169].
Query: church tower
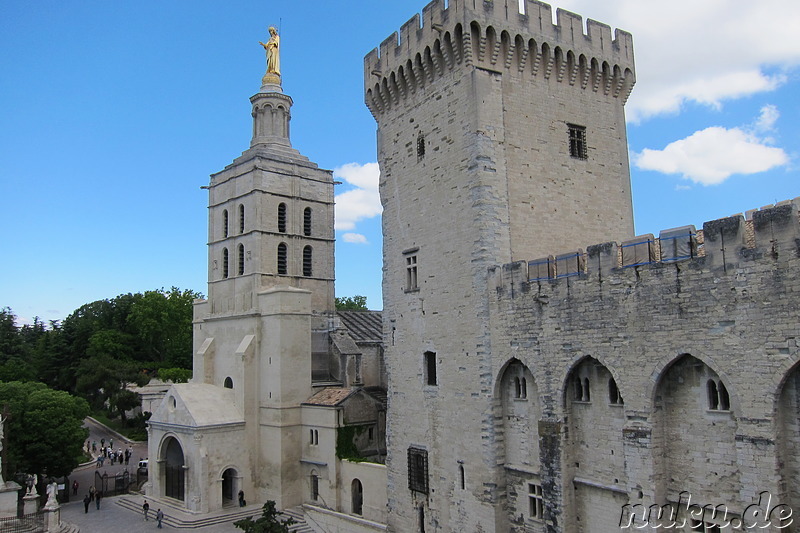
[270,289]
[501,136]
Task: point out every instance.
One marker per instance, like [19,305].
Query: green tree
[10,342]
[269,522]
[163,322]
[351,303]
[175,375]
[45,433]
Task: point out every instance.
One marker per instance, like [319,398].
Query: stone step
[178,518]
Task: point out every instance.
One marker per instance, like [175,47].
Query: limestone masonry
[565,392]
[537,366]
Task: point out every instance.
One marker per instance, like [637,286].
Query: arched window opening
[241,259]
[228,383]
[614,397]
[357,493]
[241,219]
[724,398]
[225,223]
[713,394]
[307,262]
[224,262]
[307,222]
[578,389]
[282,259]
[282,218]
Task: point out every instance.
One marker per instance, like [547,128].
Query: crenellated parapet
[494,35]
[771,233]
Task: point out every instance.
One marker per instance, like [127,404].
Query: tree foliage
[175,375]
[45,433]
[351,303]
[102,346]
[269,522]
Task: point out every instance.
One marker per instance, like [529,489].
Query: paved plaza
[113,518]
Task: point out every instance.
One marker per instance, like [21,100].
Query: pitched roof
[364,326]
[330,396]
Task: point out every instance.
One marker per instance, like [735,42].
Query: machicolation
[495,36]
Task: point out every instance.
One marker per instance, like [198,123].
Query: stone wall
[698,349]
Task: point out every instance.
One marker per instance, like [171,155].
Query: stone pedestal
[8,498]
[52,518]
[30,504]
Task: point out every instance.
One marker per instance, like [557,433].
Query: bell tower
[270,215]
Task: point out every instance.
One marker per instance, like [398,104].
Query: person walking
[92,491]
[86,501]
[97,499]
[159,518]
[75,486]
[145,509]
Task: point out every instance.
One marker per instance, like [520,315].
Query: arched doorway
[174,483]
[357,494]
[228,486]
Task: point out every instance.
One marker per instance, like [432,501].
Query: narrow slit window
[307,222]
[224,262]
[430,368]
[225,224]
[420,147]
[241,259]
[282,269]
[241,219]
[281,218]
[307,262]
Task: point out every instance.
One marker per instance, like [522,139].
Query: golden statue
[273,48]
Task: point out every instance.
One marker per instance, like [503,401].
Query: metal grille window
[307,262]
[282,218]
[418,470]
[241,219]
[577,141]
[224,262]
[241,259]
[282,259]
[225,224]
[307,222]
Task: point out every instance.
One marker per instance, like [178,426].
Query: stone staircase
[179,519]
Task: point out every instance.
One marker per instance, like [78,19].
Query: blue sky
[115,113]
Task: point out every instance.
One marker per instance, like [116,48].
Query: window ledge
[411,290]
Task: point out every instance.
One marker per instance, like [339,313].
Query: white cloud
[766,121]
[362,201]
[712,155]
[706,52]
[355,238]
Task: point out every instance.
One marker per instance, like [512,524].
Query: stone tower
[270,288]
[501,136]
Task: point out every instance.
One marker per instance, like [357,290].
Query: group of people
[146,512]
[108,452]
[92,496]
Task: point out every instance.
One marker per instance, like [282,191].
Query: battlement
[723,246]
[494,35]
